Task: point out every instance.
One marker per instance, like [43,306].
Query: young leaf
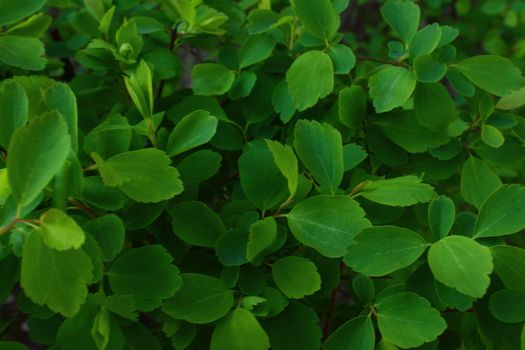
[403,17]
[357,333]
[59,231]
[391,87]
[327,223]
[201,299]
[240,330]
[263,234]
[343,58]
[441,216]
[286,161]
[508,305]
[460,262]
[144,175]
[310,77]
[13,110]
[55,278]
[192,130]
[147,274]
[195,223]
[211,79]
[491,136]
[425,41]
[509,263]
[478,181]
[22,52]
[36,154]
[140,88]
[320,148]
[491,73]
[503,213]
[296,277]
[380,250]
[407,320]
[400,191]
[257,48]
[318,17]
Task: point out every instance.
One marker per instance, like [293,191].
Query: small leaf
[286,161]
[263,234]
[352,106]
[503,213]
[318,17]
[425,41]
[147,274]
[478,181]
[494,74]
[59,231]
[240,330]
[13,110]
[400,191]
[380,250]
[508,305]
[309,78]
[109,232]
[491,136]
[144,175]
[514,100]
[101,329]
[408,321]
[403,17]
[343,58]
[391,87]
[257,48]
[139,86]
[22,52]
[327,223]
[460,262]
[320,148]
[55,278]
[201,299]
[441,216]
[296,277]
[357,333]
[211,79]
[192,130]
[195,223]
[36,153]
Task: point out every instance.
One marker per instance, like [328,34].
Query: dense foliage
[256,174]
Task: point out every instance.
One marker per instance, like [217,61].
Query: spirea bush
[262,174]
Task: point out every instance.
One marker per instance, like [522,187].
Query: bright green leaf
[441,216]
[391,87]
[403,17]
[192,130]
[59,231]
[399,191]
[318,17]
[286,161]
[240,330]
[296,277]
[478,181]
[211,79]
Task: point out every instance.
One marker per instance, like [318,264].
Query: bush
[256,174]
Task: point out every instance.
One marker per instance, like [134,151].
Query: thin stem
[83,207]
[381,60]
[10,226]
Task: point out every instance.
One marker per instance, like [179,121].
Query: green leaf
[310,77]
[195,223]
[36,154]
[55,278]
[144,175]
[407,320]
[61,97]
[14,106]
[320,148]
[186,10]
[503,213]
[282,102]
[11,345]
[201,299]
[353,155]
[286,161]
[508,305]
[261,179]
[343,58]
[357,333]
[257,48]
[327,223]
[399,191]
[352,106]
[140,88]
[263,234]
[478,181]
[297,318]
[240,330]
[147,274]
[296,277]
[22,52]
[109,232]
[211,79]
[513,100]
[493,74]
[199,166]
[509,263]
[59,231]
[380,250]
[403,17]
[460,262]
[101,329]
[491,136]
[192,130]
[14,11]
[441,216]
[433,106]
[318,17]
[391,87]
[429,70]
[425,41]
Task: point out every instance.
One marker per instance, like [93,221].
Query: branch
[380,60]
